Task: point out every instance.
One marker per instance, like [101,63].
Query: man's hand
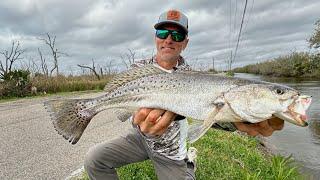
[153,121]
[265,128]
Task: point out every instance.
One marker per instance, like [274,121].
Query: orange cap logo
[173,15]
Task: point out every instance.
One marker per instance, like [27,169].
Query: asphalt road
[30,148]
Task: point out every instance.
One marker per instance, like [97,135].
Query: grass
[224,155]
[53,85]
[68,84]
[8,99]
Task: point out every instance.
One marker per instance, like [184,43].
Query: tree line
[44,76]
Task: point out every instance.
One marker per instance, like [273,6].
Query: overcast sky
[103,30]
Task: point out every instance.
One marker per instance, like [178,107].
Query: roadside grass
[224,155]
[60,85]
[76,93]
[70,83]
[51,85]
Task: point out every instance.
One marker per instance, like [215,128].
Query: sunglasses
[175,35]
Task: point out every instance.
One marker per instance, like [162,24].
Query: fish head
[258,102]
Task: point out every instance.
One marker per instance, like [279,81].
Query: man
[160,135]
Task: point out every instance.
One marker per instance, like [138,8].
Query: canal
[302,143]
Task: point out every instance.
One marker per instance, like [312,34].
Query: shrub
[296,64]
[15,84]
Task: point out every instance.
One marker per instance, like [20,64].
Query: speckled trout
[204,97]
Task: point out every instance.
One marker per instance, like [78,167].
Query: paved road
[30,148]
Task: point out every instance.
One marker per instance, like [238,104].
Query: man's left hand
[265,128]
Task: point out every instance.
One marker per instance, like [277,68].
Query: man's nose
[168,39]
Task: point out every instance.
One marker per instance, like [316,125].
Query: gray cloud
[103,30]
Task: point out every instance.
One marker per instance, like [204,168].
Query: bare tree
[10,57]
[128,58]
[108,67]
[31,66]
[44,66]
[93,69]
[51,42]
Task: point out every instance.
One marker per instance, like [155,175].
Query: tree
[10,57]
[93,69]
[314,40]
[44,66]
[128,58]
[51,42]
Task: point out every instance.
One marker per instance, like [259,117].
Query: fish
[204,97]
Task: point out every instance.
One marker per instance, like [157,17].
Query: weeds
[44,85]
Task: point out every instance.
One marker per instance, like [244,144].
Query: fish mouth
[296,112]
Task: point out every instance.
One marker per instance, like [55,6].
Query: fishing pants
[102,159]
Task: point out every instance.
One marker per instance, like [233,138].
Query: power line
[235,14]
[249,15]
[239,35]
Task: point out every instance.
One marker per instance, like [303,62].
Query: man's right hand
[153,121]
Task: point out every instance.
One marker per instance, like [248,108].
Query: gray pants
[102,159]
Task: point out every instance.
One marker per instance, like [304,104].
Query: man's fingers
[150,121]
[264,128]
[161,126]
[141,115]
[276,123]
[247,128]
[153,116]
[242,126]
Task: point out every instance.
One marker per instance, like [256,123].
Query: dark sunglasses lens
[162,34]
[177,36]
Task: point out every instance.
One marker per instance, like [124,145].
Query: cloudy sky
[104,30]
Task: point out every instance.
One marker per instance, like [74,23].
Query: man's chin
[169,58]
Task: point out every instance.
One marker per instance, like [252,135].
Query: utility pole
[230,61]
[213,63]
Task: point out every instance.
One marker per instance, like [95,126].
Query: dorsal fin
[131,75]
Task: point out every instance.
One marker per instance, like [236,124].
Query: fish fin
[70,117]
[197,130]
[123,114]
[132,74]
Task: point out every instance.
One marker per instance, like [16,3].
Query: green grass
[224,155]
[50,85]
[8,99]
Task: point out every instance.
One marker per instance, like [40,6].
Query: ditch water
[302,143]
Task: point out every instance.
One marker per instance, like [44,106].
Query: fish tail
[70,117]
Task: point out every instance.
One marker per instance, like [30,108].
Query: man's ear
[186,43]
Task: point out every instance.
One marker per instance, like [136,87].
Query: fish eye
[280,91]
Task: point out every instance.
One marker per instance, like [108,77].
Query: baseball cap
[173,17]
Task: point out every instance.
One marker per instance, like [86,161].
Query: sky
[105,30]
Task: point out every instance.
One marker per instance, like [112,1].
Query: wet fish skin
[197,95]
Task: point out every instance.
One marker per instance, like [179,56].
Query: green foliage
[15,84]
[44,85]
[68,84]
[230,73]
[314,40]
[224,155]
[280,170]
[297,64]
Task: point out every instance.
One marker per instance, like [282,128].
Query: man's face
[167,49]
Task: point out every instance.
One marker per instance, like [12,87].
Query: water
[302,143]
